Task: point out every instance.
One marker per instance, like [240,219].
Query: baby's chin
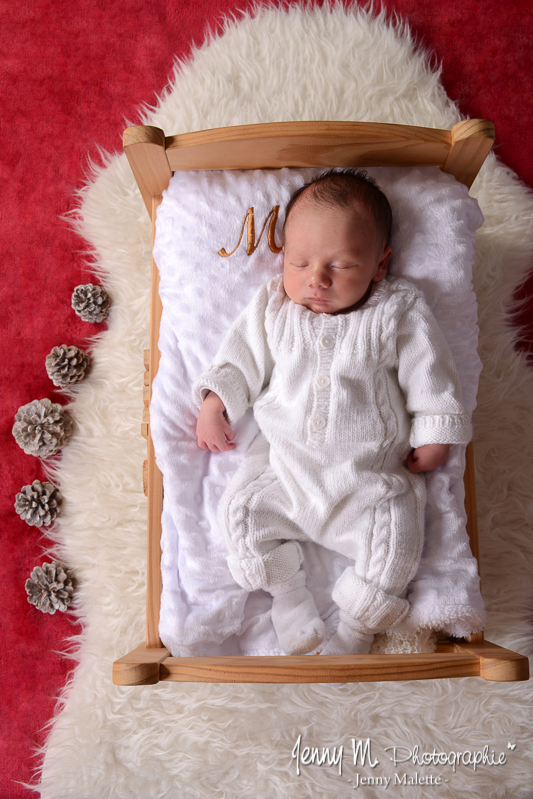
[330,307]
[319,307]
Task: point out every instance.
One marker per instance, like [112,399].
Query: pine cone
[38,503]
[67,365]
[91,302]
[50,587]
[42,428]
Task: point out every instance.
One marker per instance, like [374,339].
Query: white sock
[296,621]
[348,641]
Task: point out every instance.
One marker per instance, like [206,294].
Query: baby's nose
[319,278]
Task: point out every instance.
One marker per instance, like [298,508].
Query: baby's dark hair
[344,188]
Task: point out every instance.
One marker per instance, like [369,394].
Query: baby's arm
[428,457]
[238,374]
[212,428]
[429,380]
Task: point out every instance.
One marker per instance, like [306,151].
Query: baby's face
[331,257]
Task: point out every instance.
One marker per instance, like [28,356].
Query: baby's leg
[257,517]
[295,618]
[370,594]
[364,610]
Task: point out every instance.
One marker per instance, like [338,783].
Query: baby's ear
[382,265]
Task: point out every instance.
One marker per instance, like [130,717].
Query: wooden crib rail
[153,157]
[145,666]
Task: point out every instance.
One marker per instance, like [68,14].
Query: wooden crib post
[471,142]
[145,148]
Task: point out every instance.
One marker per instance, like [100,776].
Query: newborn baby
[356,395]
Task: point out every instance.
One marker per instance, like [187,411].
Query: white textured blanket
[203,610]
[186,741]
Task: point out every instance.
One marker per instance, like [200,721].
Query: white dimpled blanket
[203,611]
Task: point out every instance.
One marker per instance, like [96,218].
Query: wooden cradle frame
[153,158]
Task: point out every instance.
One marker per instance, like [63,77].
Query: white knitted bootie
[295,618]
[348,641]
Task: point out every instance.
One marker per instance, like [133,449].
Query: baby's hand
[428,457]
[212,428]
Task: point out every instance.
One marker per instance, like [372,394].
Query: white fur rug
[201,740]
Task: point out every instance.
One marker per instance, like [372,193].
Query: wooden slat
[155,478]
[460,151]
[308,144]
[319,668]
[153,566]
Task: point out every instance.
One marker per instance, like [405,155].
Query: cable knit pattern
[394,331]
[339,400]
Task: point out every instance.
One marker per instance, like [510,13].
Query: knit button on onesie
[340,400]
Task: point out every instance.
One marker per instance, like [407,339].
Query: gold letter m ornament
[252,244]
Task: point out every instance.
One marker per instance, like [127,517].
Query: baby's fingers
[225,447]
[227,444]
[218,443]
[214,433]
[228,432]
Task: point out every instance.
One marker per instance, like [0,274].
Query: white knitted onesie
[340,400]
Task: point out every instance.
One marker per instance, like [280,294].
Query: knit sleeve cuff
[446,429]
[227,385]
